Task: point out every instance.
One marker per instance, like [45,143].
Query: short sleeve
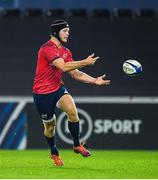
[51,53]
[70,58]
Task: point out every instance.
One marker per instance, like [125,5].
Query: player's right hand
[90,60]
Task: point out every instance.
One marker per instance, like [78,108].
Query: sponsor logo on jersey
[64,56]
[44,116]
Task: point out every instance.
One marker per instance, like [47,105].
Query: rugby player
[48,89]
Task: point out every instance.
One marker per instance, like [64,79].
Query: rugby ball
[132,67]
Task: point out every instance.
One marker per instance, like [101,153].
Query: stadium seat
[11,13]
[55,13]
[33,13]
[101,13]
[78,13]
[145,14]
[122,14]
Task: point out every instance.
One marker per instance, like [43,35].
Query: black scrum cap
[56,26]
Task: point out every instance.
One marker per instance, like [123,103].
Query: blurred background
[126,116]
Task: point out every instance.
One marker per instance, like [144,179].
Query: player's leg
[49,133]
[45,106]
[67,104]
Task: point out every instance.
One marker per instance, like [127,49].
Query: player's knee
[49,130]
[73,116]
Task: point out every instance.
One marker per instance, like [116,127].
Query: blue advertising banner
[105,123]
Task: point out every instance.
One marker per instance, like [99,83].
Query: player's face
[64,34]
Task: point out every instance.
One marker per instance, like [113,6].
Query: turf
[102,164]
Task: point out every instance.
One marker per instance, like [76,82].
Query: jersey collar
[53,44]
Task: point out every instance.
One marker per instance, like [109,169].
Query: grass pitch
[102,164]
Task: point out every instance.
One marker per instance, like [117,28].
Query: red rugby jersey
[48,78]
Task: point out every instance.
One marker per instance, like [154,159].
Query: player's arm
[85,78]
[69,66]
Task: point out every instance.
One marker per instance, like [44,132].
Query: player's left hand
[101,81]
